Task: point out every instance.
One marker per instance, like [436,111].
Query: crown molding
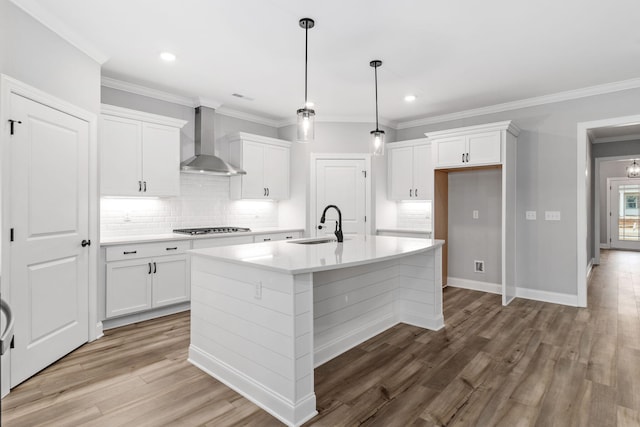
[634,137]
[128,113]
[148,92]
[524,103]
[36,11]
[230,112]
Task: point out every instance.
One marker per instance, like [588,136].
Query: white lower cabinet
[128,287]
[142,284]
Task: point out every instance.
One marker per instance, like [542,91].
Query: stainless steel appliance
[211,230]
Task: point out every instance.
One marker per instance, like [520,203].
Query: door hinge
[365,218]
[609,239]
[12,123]
[609,213]
[364,173]
[11,235]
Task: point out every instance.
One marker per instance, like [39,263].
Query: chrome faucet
[338,231]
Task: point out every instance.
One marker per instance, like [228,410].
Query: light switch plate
[552,215]
[530,215]
[476,214]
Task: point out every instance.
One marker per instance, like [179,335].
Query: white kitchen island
[264,315]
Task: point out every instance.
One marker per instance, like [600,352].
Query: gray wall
[330,138]
[475,239]
[546,180]
[35,55]
[223,124]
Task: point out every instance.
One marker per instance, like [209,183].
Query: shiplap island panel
[264,315]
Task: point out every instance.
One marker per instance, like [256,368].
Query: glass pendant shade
[377,142]
[633,171]
[306,128]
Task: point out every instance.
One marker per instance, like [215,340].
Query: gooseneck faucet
[338,231]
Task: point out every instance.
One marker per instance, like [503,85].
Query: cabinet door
[484,148]
[128,287]
[253,186]
[400,173]
[422,173]
[448,152]
[160,160]
[120,156]
[170,280]
[276,172]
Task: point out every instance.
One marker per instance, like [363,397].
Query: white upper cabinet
[470,146]
[410,173]
[139,153]
[267,163]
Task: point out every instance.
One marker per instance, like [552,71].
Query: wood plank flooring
[528,364]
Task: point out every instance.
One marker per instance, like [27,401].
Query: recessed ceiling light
[410,98]
[167,56]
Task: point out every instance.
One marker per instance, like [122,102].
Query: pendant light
[377,135]
[306,115]
[633,170]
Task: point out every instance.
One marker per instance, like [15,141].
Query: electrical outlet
[530,215]
[476,214]
[258,294]
[552,215]
[478,266]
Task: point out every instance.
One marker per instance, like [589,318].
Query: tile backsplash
[414,214]
[203,201]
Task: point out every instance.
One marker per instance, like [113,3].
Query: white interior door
[624,221]
[342,183]
[49,216]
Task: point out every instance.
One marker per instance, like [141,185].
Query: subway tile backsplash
[203,201]
[414,215]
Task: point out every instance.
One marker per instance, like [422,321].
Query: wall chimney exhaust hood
[205,161]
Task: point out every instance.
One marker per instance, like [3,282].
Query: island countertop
[294,258]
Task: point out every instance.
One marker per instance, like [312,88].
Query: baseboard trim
[99,330]
[474,285]
[546,296]
[267,399]
[605,246]
[592,262]
[327,351]
[145,315]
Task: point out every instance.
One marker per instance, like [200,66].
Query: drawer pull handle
[172,249]
[130,252]
[289,237]
[267,240]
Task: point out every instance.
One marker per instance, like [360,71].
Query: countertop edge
[405,230]
[127,240]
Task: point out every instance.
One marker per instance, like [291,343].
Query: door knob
[86,243]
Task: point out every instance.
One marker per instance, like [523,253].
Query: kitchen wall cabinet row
[139,153]
[410,171]
[146,276]
[267,163]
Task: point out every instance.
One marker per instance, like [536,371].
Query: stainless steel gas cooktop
[211,230]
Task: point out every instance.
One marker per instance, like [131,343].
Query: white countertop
[292,258]
[405,230]
[147,238]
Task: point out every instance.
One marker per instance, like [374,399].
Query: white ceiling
[454,55]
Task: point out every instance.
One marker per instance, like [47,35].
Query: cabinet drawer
[221,241]
[145,250]
[272,237]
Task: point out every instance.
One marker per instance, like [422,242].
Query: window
[631,201]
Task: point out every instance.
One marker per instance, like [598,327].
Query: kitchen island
[264,315]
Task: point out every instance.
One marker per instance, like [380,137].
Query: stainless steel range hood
[205,161]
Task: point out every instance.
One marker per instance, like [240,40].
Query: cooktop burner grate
[211,230]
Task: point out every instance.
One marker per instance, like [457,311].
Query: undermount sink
[315,240]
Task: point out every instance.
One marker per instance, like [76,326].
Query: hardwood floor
[528,364]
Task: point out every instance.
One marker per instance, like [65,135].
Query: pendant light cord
[306,49]
[375,69]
